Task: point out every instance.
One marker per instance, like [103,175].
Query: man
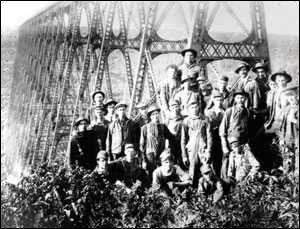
[196,141]
[209,184]
[289,132]
[174,124]
[102,163]
[235,137]
[170,88]
[188,92]
[242,70]
[222,88]
[127,171]
[153,137]
[100,127]
[189,62]
[110,106]
[120,132]
[205,89]
[97,100]
[215,116]
[141,119]
[169,177]
[83,147]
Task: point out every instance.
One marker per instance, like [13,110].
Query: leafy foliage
[53,197]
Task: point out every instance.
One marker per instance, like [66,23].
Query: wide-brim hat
[152,109]
[259,65]
[98,92]
[189,50]
[201,78]
[109,102]
[120,104]
[283,73]
[242,65]
[240,92]
[76,123]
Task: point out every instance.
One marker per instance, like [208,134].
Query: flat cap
[120,104]
[152,108]
[129,146]
[259,65]
[109,102]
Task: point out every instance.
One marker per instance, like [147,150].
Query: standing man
[120,132]
[174,124]
[170,88]
[83,149]
[110,106]
[222,88]
[235,137]
[97,100]
[188,93]
[205,89]
[242,70]
[153,137]
[189,62]
[215,116]
[142,117]
[196,141]
[100,127]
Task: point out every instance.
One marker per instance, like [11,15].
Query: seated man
[210,184]
[126,170]
[168,176]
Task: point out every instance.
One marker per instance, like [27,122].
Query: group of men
[210,137]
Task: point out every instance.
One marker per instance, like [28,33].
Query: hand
[281,143]
[144,165]
[170,185]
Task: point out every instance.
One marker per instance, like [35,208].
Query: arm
[185,179]
[156,182]
[143,139]
[223,134]
[209,139]
[164,102]
[184,139]
[109,139]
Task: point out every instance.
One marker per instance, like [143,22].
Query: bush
[52,197]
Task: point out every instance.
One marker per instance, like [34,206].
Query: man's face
[121,111]
[222,84]
[202,85]
[194,109]
[98,98]
[239,99]
[154,116]
[167,166]
[189,58]
[175,109]
[218,101]
[281,81]
[110,108]
[82,126]
[243,72]
[102,164]
[272,85]
[261,73]
[171,73]
[130,155]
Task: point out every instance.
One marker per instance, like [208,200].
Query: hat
[290,90]
[205,168]
[224,78]
[129,146]
[81,119]
[110,101]
[217,94]
[201,78]
[240,92]
[101,107]
[189,50]
[152,109]
[166,154]
[283,73]
[173,102]
[185,77]
[242,65]
[259,65]
[120,104]
[102,154]
[141,105]
[98,92]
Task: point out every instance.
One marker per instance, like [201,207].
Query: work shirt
[185,97]
[234,125]
[289,129]
[174,125]
[100,129]
[196,135]
[120,133]
[160,180]
[83,150]
[186,69]
[167,93]
[153,138]
[215,116]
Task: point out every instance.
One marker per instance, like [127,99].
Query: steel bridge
[60,62]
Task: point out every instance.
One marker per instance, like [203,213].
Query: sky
[282,17]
